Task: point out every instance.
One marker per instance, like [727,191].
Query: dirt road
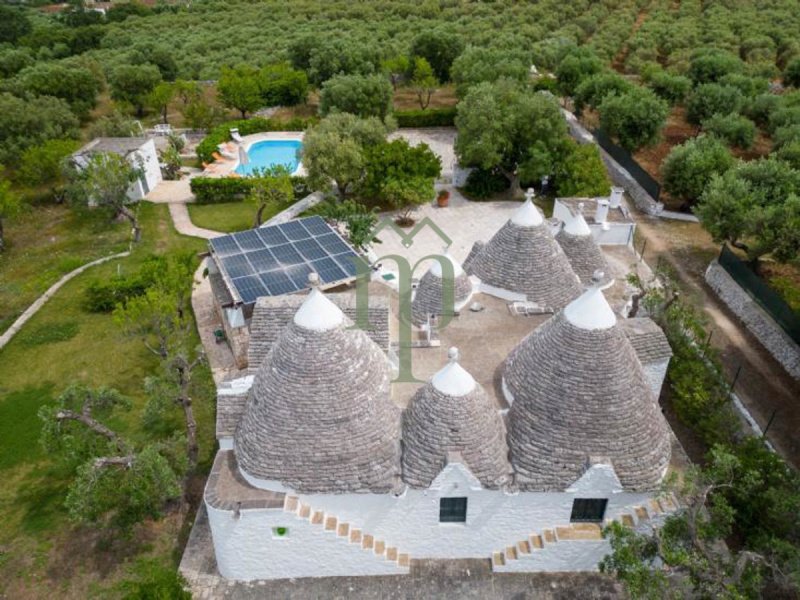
[763,386]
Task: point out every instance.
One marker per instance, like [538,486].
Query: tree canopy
[440,48]
[635,118]
[503,126]
[132,84]
[362,95]
[690,167]
[239,89]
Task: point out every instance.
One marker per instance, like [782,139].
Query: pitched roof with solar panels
[276,260]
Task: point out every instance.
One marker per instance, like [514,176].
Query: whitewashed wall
[495,520]
[656,373]
[145,157]
[614,234]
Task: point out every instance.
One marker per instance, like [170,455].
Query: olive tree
[502,126]
[362,95]
[713,99]
[132,84]
[477,65]
[424,82]
[239,89]
[440,48]
[333,151]
[635,118]
[689,167]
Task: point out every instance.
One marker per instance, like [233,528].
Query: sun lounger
[236,137]
[225,150]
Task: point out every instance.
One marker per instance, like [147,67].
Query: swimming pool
[269,153]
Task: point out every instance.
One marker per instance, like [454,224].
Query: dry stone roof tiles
[320,418]
[526,260]
[452,413]
[583,253]
[579,393]
[271,314]
[430,292]
[647,339]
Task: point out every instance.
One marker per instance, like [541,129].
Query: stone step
[330,523]
[380,547]
[343,529]
[368,542]
[580,531]
[549,536]
[391,553]
[524,547]
[355,536]
[498,559]
[290,505]
[655,507]
[511,553]
[318,518]
[305,511]
[404,560]
[536,542]
[628,521]
[641,513]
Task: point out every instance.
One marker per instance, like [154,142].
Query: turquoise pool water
[270,153]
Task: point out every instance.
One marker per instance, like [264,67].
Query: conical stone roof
[578,392]
[452,413]
[524,257]
[320,418]
[585,256]
[428,298]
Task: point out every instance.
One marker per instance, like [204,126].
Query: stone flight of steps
[538,542]
[348,534]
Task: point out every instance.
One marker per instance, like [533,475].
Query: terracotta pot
[443,198]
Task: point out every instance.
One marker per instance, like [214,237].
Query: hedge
[218,190]
[222,133]
[434,117]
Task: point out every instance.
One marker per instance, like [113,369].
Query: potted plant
[443,198]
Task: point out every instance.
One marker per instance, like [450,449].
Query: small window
[588,510]
[452,510]
[280,532]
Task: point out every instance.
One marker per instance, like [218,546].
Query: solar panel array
[275,260]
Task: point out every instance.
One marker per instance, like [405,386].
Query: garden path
[34,308]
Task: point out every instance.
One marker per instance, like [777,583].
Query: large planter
[443,198]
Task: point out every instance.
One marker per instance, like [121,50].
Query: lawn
[40,550]
[44,243]
[227,217]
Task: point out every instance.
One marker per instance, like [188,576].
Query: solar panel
[310,249]
[287,255]
[237,266]
[248,240]
[328,269]
[262,260]
[225,245]
[278,283]
[316,226]
[250,288]
[274,260]
[294,230]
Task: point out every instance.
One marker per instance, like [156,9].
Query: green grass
[44,243]
[227,217]
[64,343]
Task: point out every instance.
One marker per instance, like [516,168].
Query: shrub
[735,130]
[670,87]
[784,117]
[219,190]
[761,107]
[397,162]
[749,86]
[690,166]
[791,75]
[103,296]
[593,90]
[709,66]
[711,99]
[222,133]
[582,173]
[635,118]
[431,117]
[43,164]
[361,95]
[485,183]
[790,153]
[280,85]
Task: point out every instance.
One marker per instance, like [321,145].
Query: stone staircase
[348,534]
[538,542]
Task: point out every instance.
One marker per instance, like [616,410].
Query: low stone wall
[295,209]
[619,176]
[757,321]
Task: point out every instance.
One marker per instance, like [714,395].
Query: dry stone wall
[757,321]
